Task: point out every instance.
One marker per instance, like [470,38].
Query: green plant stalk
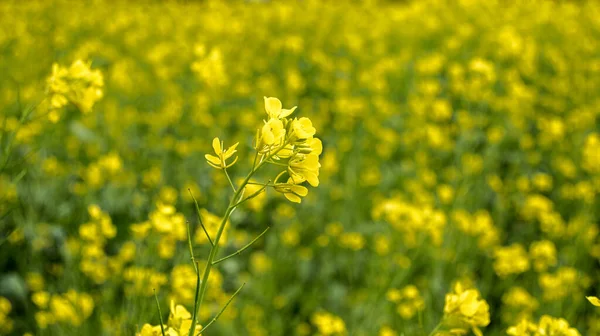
[233,203]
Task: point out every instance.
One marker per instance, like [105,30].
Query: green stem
[253,195]
[222,310]
[229,179]
[215,247]
[238,252]
[201,223]
[162,325]
[437,327]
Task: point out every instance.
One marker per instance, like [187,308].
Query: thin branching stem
[189,237]
[277,163]
[200,219]
[222,310]
[262,184]
[229,179]
[238,252]
[256,193]
[191,248]
[215,246]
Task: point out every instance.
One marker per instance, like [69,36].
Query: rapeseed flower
[222,155]
[465,309]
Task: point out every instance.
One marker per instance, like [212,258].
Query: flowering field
[299,168]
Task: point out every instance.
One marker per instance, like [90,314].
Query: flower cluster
[511,259]
[281,141]
[328,324]
[547,325]
[94,235]
[71,308]
[291,143]
[408,301]
[518,305]
[77,84]
[465,309]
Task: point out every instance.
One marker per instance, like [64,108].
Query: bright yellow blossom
[274,108]
[220,161]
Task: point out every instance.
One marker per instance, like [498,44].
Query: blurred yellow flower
[465,309]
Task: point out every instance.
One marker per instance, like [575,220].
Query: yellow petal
[286,112]
[273,107]
[293,197]
[212,159]
[230,151]
[317,146]
[593,300]
[312,178]
[267,136]
[181,312]
[216,144]
[299,190]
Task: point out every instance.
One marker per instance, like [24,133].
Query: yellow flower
[149,330]
[272,133]
[548,325]
[524,328]
[78,84]
[511,259]
[304,167]
[302,129]
[328,324]
[291,191]
[543,255]
[274,108]
[220,161]
[464,308]
[180,320]
[178,314]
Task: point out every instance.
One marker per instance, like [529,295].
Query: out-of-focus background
[461,144]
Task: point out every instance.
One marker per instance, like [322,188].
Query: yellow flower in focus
[305,168]
[180,319]
[291,191]
[272,133]
[302,129]
[274,108]
[220,161]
